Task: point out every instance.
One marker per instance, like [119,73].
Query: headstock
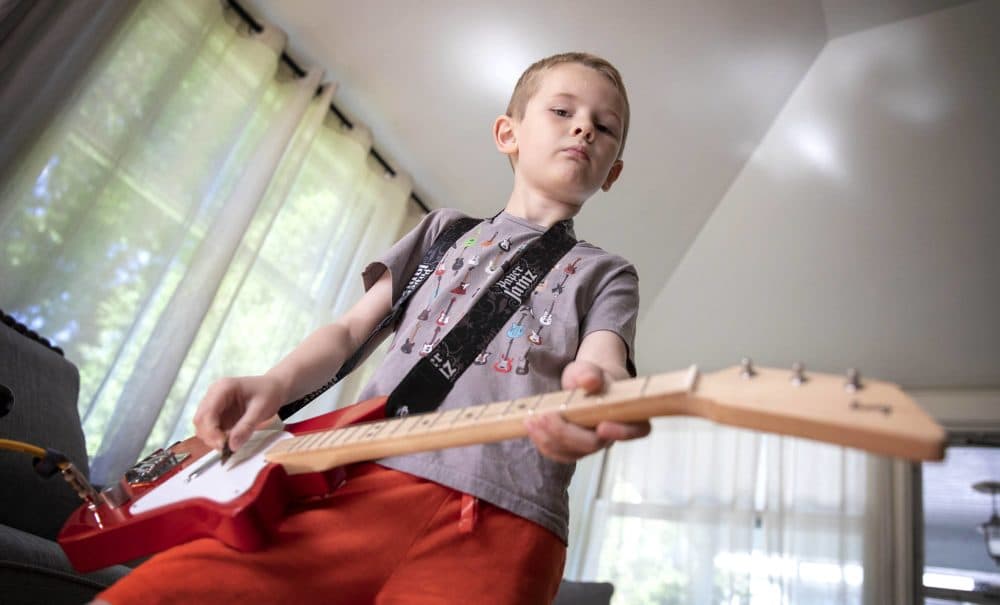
[847,410]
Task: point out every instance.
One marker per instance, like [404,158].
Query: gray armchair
[45,387]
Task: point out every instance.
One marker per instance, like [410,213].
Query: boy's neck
[538,209]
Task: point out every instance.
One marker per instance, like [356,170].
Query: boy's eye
[607,130]
[562,113]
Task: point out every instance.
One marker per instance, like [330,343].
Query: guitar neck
[623,401]
[877,417]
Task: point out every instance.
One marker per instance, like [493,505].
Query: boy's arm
[237,405]
[600,359]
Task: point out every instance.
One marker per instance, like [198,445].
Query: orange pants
[385,537]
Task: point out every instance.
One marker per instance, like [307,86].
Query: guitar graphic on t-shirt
[426,313]
[444,318]
[505,364]
[463,287]
[546,320]
[516,330]
[407,347]
[492,267]
[429,345]
[459,261]
[522,367]
[504,244]
[489,242]
[569,270]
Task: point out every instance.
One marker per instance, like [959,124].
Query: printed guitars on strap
[426,385]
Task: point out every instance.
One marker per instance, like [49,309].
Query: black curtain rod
[256,27]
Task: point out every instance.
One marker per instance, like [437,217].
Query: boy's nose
[588,133]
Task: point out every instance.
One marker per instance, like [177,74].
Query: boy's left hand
[564,441]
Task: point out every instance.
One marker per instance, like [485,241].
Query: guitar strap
[426,385]
[432,257]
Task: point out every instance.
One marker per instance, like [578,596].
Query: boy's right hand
[237,406]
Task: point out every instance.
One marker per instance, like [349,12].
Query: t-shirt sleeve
[402,258]
[616,308]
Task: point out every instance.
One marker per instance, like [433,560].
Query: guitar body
[95,537]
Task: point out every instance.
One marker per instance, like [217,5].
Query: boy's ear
[613,174]
[504,136]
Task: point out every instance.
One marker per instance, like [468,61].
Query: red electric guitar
[186,493]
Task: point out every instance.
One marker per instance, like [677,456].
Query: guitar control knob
[746,368]
[853,381]
[799,374]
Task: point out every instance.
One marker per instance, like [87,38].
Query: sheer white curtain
[192,213]
[704,513]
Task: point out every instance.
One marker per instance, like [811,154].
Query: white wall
[863,231]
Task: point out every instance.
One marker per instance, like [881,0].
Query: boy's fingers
[241,431]
[561,440]
[621,431]
[249,422]
[583,375]
[206,424]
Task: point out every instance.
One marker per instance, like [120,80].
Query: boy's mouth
[578,151]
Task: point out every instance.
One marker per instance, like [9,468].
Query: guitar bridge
[154,466]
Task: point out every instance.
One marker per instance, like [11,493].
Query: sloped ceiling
[705,80]
[848,16]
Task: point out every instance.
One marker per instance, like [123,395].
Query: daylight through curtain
[704,513]
[192,213]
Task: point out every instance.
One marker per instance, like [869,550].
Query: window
[956,565]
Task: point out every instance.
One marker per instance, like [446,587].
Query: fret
[448,418]
[339,436]
[397,425]
[622,390]
[426,420]
[554,402]
[373,430]
[469,415]
[351,434]
[306,442]
[328,438]
[523,405]
[495,410]
[576,398]
[407,425]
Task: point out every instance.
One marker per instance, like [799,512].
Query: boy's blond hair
[527,84]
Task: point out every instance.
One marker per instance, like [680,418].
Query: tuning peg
[853,381]
[799,374]
[746,368]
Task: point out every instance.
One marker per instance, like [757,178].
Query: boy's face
[566,144]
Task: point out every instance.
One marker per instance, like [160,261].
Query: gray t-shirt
[587,290]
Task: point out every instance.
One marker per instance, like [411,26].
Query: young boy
[476,524]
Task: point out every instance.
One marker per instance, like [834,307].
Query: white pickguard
[213,481]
